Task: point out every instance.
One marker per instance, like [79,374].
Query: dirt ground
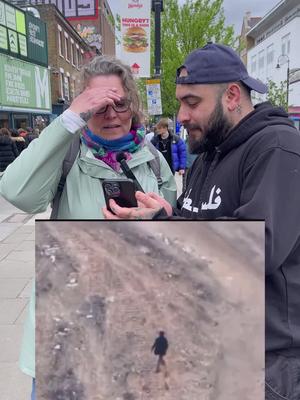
[105,289]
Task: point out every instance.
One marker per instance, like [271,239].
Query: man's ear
[232,96]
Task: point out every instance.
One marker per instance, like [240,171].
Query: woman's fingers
[109,215]
[148,205]
[154,201]
[147,200]
[136,213]
[163,203]
[92,99]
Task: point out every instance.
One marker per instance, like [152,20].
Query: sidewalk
[16,278]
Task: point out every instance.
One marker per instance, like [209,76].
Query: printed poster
[153,97]
[133,42]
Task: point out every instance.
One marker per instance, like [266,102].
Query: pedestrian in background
[8,149]
[248,168]
[171,146]
[190,158]
[150,135]
[19,140]
[32,134]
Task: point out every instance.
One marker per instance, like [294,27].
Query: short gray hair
[108,65]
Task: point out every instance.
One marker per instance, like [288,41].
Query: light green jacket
[30,184]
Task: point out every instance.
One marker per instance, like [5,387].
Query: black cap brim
[256,85]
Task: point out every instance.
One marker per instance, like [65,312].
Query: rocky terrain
[105,289]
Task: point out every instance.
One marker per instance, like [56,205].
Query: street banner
[24,85]
[153,97]
[133,39]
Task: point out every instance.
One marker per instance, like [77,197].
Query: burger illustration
[135,40]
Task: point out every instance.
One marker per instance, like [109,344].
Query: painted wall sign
[90,34]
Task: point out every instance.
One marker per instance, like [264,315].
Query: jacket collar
[99,169]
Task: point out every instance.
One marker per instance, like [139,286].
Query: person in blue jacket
[171,146]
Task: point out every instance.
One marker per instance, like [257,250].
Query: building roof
[273,16]
[253,21]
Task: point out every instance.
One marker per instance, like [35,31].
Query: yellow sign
[152,81]
[20,18]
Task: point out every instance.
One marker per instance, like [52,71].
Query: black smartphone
[121,190]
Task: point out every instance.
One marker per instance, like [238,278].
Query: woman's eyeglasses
[119,106]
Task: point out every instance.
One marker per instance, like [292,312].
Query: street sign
[13,41]
[153,97]
[22,35]
[70,9]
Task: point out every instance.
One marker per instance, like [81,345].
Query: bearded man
[248,168]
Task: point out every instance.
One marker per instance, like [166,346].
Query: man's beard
[213,134]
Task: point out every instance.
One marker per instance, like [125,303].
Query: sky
[234,10]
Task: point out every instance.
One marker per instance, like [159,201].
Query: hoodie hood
[263,116]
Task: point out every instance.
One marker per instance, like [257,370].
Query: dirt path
[105,289]
[235,254]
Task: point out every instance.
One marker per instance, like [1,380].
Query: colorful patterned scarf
[106,150]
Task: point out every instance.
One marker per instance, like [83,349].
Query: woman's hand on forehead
[91,99]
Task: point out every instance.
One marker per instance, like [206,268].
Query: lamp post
[157,7]
[279,63]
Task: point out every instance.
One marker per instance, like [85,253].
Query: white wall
[269,70]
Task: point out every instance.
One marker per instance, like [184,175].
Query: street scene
[181,118]
[104,291]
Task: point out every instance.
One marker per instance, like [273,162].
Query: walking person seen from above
[248,168]
[160,347]
[171,146]
[104,119]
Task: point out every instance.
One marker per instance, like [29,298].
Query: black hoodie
[255,174]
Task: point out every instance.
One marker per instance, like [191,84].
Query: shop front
[25,94]
[294,113]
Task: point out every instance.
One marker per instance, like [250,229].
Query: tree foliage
[277,94]
[183,29]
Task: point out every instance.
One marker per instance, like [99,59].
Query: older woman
[106,115]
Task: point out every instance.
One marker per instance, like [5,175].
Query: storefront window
[20,121]
[297,123]
[40,121]
[4,121]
